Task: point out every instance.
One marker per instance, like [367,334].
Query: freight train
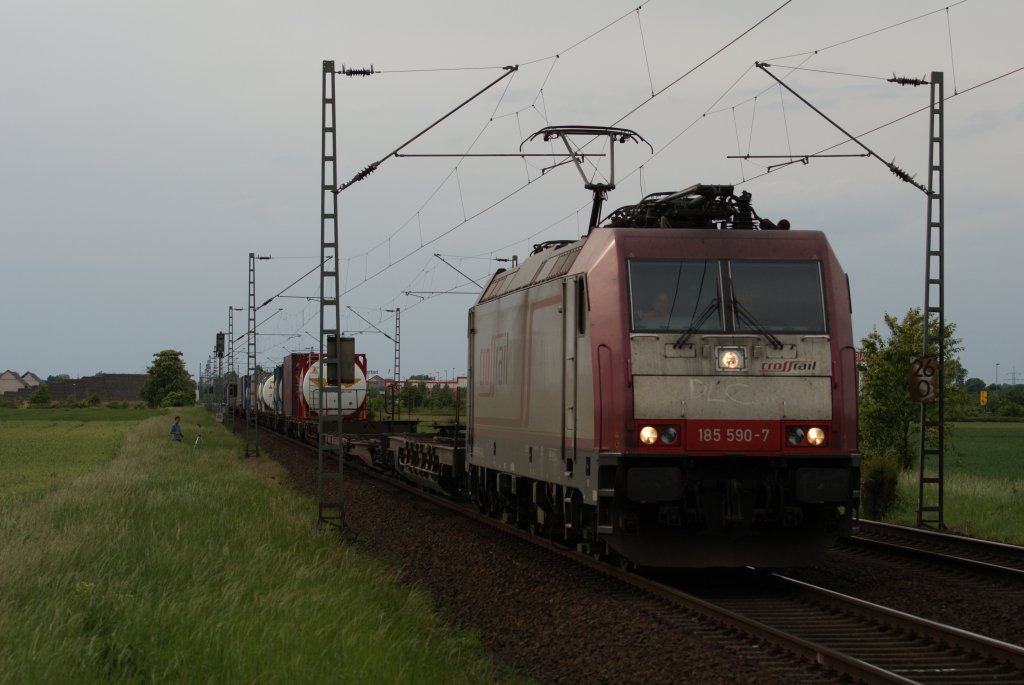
[675,389]
[286,399]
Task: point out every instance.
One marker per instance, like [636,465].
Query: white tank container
[266,394]
[352,394]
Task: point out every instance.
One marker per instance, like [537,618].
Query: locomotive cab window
[780,297]
[675,295]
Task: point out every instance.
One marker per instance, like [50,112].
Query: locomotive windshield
[763,296]
[675,295]
[782,297]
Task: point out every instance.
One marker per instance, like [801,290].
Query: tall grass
[37,453]
[984,483]
[176,564]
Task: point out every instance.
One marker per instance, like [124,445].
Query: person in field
[176,435]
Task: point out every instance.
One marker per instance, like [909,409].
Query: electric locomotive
[677,388]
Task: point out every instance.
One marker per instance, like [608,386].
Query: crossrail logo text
[788,366]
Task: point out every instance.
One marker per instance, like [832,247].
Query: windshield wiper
[696,323]
[743,314]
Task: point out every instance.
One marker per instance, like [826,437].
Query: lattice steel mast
[329,482]
[397,408]
[251,448]
[932,458]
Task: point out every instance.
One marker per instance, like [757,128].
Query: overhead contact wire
[369,277]
[905,116]
[293,283]
[704,61]
[438,188]
[952,61]
[870,33]
[584,40]
[438,237]
[643,43]
[373,167]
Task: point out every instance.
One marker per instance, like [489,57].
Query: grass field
[984,483]
[42,447]
[131,559]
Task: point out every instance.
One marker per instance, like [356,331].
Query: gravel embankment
[557,631]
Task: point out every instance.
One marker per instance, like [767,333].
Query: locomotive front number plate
[732,435]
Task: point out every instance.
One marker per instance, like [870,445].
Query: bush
[8,404]
[880,476]
[117,404]
[179,398]
[94,400]
[40,396]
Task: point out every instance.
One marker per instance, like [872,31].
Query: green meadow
[984,483]
[44,447]
[126,558]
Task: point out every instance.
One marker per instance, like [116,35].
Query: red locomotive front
[738,438]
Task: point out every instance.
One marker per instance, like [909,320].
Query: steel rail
[962,639]
[813,651]
[885,645]
[983,553]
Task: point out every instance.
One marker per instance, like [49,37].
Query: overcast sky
[146,148]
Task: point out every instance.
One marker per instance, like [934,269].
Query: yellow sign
[983,398]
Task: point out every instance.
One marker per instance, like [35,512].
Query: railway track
[802,633]
[668,605]
[830,632]
[992,560]
[838,633]
[866,641]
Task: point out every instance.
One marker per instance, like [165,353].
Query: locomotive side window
[782,297]
[675,295]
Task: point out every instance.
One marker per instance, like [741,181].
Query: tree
[41,395]
[412,395]
[974,385]
[442,397]
[167,376]
[58,377]
[887,414]
[1006,400]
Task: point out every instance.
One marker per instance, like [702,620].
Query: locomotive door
[571,289]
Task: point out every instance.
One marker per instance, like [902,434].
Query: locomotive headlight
[795,437]
[805,437]
[648,435]
[669,435]
[815,436]
[731,358]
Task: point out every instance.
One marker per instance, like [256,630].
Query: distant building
[375,383]
[12,382]
[109,387]
[430,384]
